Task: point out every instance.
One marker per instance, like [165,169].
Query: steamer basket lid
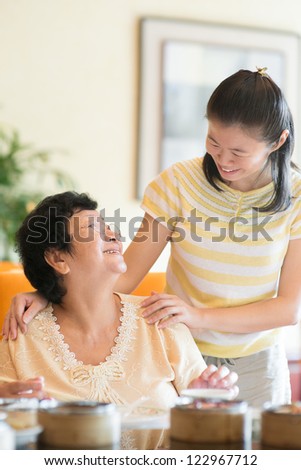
[290,409]
[80,408]
[210,406]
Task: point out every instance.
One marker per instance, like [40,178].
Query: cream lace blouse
[145,360]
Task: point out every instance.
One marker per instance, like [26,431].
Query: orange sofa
[152,281]
[8,265]
[12,281]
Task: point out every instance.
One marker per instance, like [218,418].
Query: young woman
[234,222]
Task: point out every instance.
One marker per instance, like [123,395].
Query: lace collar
[126,333]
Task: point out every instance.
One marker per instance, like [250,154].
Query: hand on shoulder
[169,310]
[23,308]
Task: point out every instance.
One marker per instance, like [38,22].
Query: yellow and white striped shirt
[223,252]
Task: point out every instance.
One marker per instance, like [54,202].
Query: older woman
[91,343]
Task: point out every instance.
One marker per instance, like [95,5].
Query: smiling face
[95,246]
[240,159]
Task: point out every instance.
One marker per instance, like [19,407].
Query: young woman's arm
[142,253]
[282,310]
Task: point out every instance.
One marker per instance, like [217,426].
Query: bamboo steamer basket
[80,425]
[210,421]
[22,413]
[281,427]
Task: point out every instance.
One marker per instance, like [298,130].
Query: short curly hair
[45,227]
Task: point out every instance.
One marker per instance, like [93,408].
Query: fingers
[20,304]
[28,315]
[229,380]
[36,383]
[5,327]
[31,388]
[222,378]
[40,395]
[154,297]
[13,327]
[10,327]
[203,379]
[219,377]
[23,308]
[162,306]
[169,320]
[213,377]
[35,388]
[168,310]
[207,373]
[13,318]
[166,316]
[20,386]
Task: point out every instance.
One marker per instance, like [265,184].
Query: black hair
[253,101]
[46,227]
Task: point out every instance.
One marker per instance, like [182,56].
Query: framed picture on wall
[181,63]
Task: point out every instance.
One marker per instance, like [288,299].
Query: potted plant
[24,173]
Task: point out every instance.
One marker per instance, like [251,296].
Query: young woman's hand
[31,388]
[170,309]
[213,377]
[23,308]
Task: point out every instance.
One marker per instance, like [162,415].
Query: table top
[148,439]
[146,434]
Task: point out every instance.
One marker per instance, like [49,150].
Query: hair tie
[262,71]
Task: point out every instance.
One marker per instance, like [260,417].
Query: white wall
[69,78]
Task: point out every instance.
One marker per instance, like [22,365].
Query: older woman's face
[94,244]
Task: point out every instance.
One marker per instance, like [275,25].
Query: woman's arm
[142,253]
[282,310]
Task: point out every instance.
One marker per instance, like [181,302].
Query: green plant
[25,175]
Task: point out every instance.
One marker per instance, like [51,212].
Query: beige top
[145,360]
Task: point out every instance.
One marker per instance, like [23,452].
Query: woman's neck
[89,308]
[90,326]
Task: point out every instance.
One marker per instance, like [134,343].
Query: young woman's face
[239,158]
